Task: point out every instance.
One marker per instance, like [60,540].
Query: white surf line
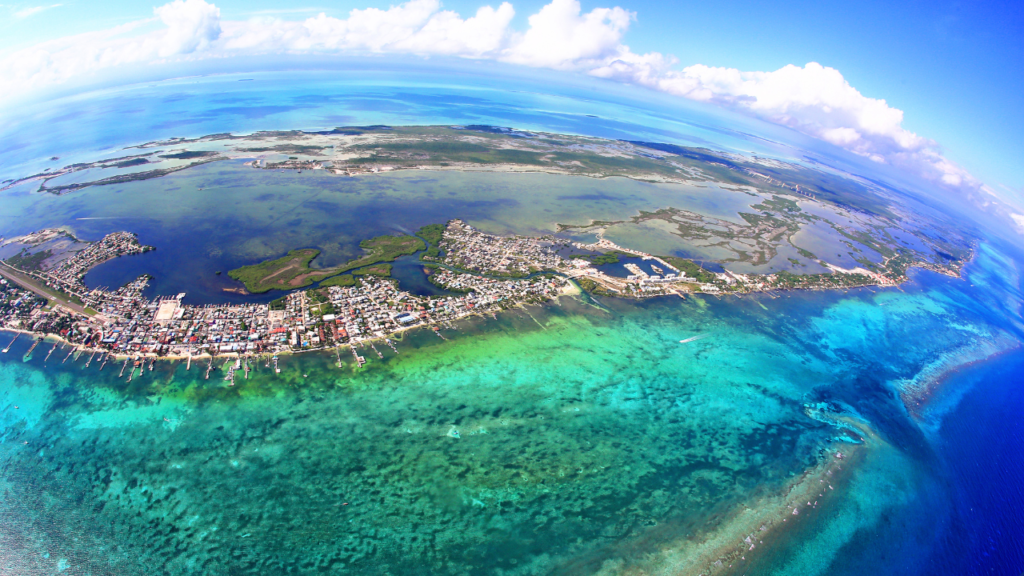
[694,338]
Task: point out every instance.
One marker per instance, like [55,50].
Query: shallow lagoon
[223,215]
[96,481]
[556,439]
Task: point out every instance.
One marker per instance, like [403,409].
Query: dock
[28,355]
[8,349]
[359,359]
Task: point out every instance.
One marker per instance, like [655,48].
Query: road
[30,284]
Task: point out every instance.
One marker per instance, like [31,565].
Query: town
[482,274]
[125,324]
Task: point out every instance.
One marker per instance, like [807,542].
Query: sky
[933,87]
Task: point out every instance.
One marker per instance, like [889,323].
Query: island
[357,304]
[293,271]
[484,273]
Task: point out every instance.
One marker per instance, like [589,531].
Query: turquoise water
[588,436]
[558,439]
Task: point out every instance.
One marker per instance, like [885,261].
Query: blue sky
[955,69]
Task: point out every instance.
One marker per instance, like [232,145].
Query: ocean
[869,431]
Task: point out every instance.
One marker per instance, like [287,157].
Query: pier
[8,349]
[230,377]
[359,359]
[28,355]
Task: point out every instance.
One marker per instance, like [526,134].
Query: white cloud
[26,12]
[812,99]
[191,25]
[560,36]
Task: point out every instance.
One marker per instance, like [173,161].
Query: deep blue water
[981,450]
[950,499]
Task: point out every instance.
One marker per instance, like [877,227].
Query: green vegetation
[690,268]
[288,149]
[588,285]
[788,280]
[128,163]
[52,295]
[123,178]
[29,262]
[606,258]
[289,271]
[778,204]
[375,270]
[189,154]
[432,233]
[385,249]
[279,303]
[293,271]
[341,280]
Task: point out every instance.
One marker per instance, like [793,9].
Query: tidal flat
[578,437]
[226,215]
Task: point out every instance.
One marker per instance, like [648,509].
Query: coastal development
[125,323]
[482,273]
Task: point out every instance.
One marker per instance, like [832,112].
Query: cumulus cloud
[812,99]
[191,25]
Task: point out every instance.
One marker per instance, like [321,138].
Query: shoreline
[120,355]
[575,291]
[738,540]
